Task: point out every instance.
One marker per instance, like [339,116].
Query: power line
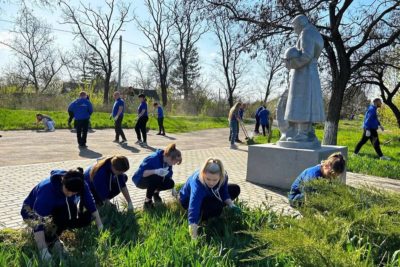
[71,32]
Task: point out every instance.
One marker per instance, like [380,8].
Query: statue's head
[299,22]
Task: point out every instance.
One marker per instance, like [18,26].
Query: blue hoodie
[151,162]
[101,182]
[118,103]
[258,111]
[371,118]
[307,175]
[263,115]
[194,191]
[82,109]
[48,195]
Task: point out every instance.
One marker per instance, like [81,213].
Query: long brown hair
[120,163]
[173,153]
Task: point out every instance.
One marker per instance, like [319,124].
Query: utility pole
[119,68]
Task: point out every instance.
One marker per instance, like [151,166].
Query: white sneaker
[144,144]
[233,146]
[384,158]
[138,142]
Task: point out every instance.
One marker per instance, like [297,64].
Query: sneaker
[83,146]
[116,141]
[355,155]
[138,142]
[158,133]
[238,141]
[163,134]
[233,146]
[157,198]
[384,158]
[123,141]
[144,144]
[148,205]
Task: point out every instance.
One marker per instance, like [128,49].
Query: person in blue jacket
[330,168]
[160,118]
[264,119]
[155,173]
[118,115]
[206,192]
[82,109]
[107,178]
[141,122]
[370,126]
[57,198]
[257,128]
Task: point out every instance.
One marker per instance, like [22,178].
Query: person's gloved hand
[383,129]
[193,228]
[45,254]
[367,133]
[161,172]
[116,118]
[100,227]
[236,210]
[130,206]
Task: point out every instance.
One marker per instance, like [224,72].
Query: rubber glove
[45,254]
[367,133]
[161,172]
[236,210]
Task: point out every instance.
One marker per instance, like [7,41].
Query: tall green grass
[341,226]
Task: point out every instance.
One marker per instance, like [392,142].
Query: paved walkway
[26,157]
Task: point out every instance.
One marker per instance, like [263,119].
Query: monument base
[277,166]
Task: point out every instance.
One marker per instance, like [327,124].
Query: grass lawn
[25,120]
[341,226]
[367,162]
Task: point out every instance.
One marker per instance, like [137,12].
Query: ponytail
[173,153]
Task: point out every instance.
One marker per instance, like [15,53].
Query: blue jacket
[48,195]
[118,103]
[151,162]
[194,191]
[307,175]
[263,115]
[101,182]
[142,106]
[371,118]
[160,112]
[82,109]
[258,111]
[241,113]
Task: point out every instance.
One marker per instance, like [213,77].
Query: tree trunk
[230,98]
[333,116]
[106,88]
[164,95]
[395,110]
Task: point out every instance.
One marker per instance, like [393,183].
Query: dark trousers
[118,129]
[81,131]
[114,190]
[265,128]
[141,127]
[161,125]
[155,183]
[212,206]
[60,219]
[257,128]
[374,141]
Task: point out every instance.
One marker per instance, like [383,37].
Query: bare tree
[353,32]
[383,70]
[272,65]
[158,30]
[144,76]
[33,45]
[230,54]
[187,22]
[91,25]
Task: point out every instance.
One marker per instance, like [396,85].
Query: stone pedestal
[277,166]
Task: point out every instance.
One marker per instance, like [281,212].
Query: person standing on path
[160,118]
[141,122]
[241,114]
[370,126]
[82,109]
[257,128]
[233,118]
[118,115]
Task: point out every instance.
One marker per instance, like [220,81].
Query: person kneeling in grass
[206,192]
[56,198]
[47,122]
[107,178]
[330,168]
[155,173]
